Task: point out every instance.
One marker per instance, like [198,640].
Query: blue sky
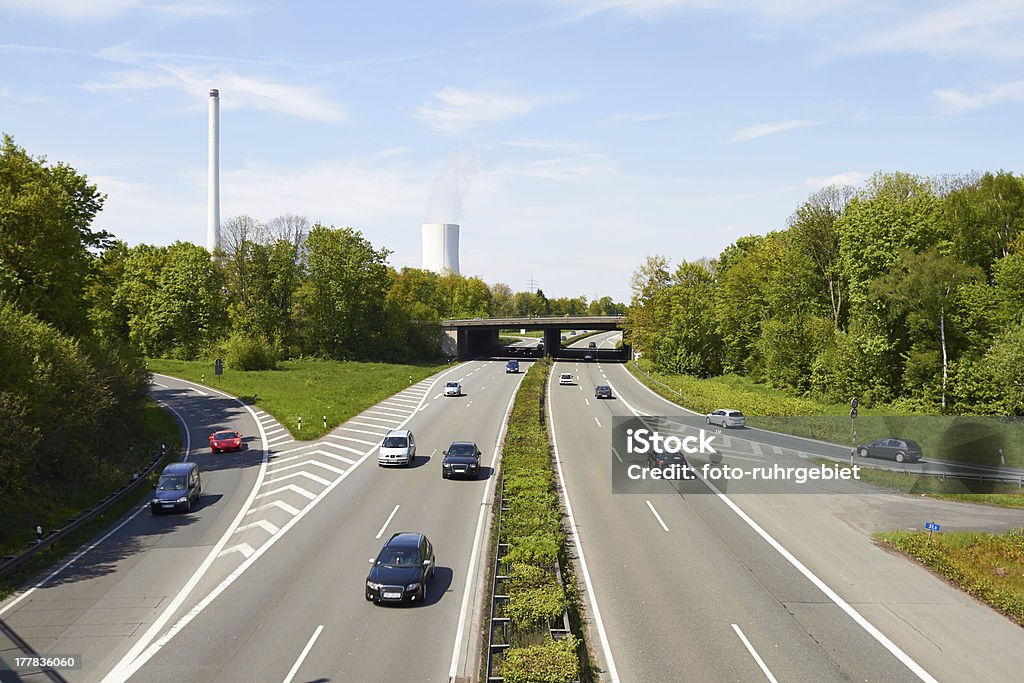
[570,139]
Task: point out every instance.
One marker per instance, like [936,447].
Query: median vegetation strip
[539,583]
[308,388]
[987,566]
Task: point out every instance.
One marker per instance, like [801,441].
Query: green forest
[907,293]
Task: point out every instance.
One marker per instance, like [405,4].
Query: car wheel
[901,456]
[188,506]
[862,452]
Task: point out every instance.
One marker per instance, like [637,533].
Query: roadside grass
[156,426]
[986,441]
[997,494]
[308,388]
[987,566]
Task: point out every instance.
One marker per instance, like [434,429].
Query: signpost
[854,402]
[930,527]
[218,367]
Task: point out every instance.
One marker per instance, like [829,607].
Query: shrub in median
[554,661]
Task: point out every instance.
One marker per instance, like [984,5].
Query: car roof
[399,432]
[566,374]
[404,539]
[463,443]
[602,386]
[179,468]
[450,383]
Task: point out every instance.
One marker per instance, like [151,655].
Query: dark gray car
[900,450]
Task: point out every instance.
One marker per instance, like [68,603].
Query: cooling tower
[441,247]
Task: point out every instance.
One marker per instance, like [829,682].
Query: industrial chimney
[213,179]
[441,247]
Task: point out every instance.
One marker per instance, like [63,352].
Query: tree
[46,215]
[813,231]
[984,217]
[501,300]
[690,344]
[342,297]
[922,285]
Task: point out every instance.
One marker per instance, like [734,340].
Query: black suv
[402,570]
[462,459]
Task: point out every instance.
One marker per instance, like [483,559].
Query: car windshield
[225,435]
[171,483]
[462,449]
[396,442]
[398,557]
[566,375]
[452,385]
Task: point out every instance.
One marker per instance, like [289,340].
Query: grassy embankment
[987,566]
[963,439]
[155,426]
[308,388]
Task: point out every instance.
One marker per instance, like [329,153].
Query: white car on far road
[726,418]
[565,378]
[452,389]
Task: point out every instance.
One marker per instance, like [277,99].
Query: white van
[397,448]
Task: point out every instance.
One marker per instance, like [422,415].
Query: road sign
[853,412]
[932,526]
[218,367]
[854,403]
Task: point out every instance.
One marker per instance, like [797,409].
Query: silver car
[725,418]
[452,389]
[397,448]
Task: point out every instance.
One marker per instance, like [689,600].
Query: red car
[225,441]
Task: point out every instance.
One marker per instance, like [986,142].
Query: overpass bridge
[476,337]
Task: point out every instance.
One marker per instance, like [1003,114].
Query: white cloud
[852,178]
[454,110]
[77,10]
[652,9]
[958,100]
[762,129]
[987,28]
[237,91]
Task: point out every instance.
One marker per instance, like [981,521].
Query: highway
[699,586]
[281,596]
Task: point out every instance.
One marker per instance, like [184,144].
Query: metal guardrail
[11,562]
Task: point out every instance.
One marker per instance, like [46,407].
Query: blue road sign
[931,526]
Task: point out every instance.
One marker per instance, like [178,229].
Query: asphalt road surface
[264,581]
[753,586]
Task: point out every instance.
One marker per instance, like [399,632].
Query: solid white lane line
[657,516]
[597,421]
[907,661]
[125,664]
[302,655]
[916,668]
[606,649]
[387,521]
[753,653]
[133,662]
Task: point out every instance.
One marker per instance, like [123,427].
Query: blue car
[512,367]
